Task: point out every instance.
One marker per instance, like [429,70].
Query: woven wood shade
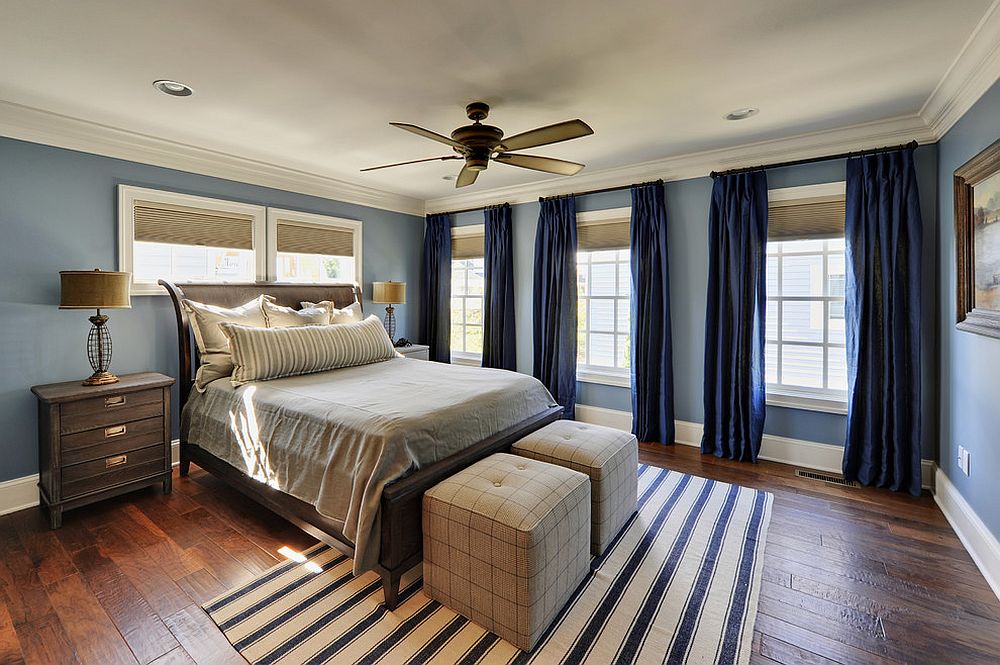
[301,238]
[468,247]
[181,225]
[613,234]
[813,218]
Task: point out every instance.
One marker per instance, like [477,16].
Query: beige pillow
[213,345]
[350,314]
[271,353]
[283,317]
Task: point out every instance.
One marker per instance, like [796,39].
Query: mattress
[335,439]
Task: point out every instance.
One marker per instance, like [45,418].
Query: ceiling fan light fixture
[173,88]
[742,114]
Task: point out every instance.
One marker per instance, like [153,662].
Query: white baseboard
[982,545]
[20,493]
[797,452]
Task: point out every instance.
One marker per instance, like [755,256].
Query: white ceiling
[312,85]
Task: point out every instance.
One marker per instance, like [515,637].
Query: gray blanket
[335,439]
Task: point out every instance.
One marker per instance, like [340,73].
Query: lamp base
[100,379]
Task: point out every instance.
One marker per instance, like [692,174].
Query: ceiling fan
[477,144]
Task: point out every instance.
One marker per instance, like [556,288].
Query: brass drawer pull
[117,430]
[114,400]
[117,460]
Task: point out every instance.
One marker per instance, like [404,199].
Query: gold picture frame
[977,243]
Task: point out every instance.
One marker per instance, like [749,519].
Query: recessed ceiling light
[172,88]
[741,114]
[449,177]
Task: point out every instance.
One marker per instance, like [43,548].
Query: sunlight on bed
[243,422]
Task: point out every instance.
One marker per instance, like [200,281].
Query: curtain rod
[811,160]
[585,193]
[795,162]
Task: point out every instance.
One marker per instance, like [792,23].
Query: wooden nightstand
[98,441]
[416,351]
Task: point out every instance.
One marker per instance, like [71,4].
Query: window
[165,235]
[468,282]
[184,238]
[805,356]
[313,249]
[604,284]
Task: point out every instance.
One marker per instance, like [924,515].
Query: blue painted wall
[687,217]
[970,364]
[58,211]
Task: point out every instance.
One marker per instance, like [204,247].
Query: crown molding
[693,165]
[974,70]
[38,126]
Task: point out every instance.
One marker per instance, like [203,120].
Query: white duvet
[335,439]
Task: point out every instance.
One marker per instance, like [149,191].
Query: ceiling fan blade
[466,177]
[561,131]
[413,161]
[547,164]
[428,134]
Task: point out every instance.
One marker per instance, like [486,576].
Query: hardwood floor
[850,575]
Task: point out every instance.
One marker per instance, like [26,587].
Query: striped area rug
[679,585]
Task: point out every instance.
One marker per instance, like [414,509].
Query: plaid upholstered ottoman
[609,456]
[506,542]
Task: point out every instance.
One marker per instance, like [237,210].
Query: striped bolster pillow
[271,353]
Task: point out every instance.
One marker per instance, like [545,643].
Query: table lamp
[96,289]
[389,294]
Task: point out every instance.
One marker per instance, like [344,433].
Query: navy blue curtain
[554,307]
[651,362]
[734,321]
[499,345]
[435,288]
[882,316]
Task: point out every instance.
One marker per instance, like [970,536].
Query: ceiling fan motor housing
[480,141]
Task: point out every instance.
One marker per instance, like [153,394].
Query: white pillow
[260,354]
[213,345]
[350,314]
[283,317]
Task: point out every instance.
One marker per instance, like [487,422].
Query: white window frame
[825,400]
[620,377]
[310,219]
[129,194]
[464,357]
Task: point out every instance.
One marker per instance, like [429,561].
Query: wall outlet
[964,459]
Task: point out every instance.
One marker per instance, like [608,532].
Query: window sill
[467,359]
[619,379]
[789,400]
[147,289]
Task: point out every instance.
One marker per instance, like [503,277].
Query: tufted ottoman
[506,542]
[609,456]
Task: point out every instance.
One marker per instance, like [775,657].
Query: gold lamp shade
[389,293]
[94,289]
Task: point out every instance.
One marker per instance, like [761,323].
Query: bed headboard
[231,295]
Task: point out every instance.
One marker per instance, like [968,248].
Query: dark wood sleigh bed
[401,540]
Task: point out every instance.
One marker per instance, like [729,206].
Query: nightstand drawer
[112,470]
[107,410]
[110,440]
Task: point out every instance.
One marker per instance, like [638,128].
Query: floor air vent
[833,478]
